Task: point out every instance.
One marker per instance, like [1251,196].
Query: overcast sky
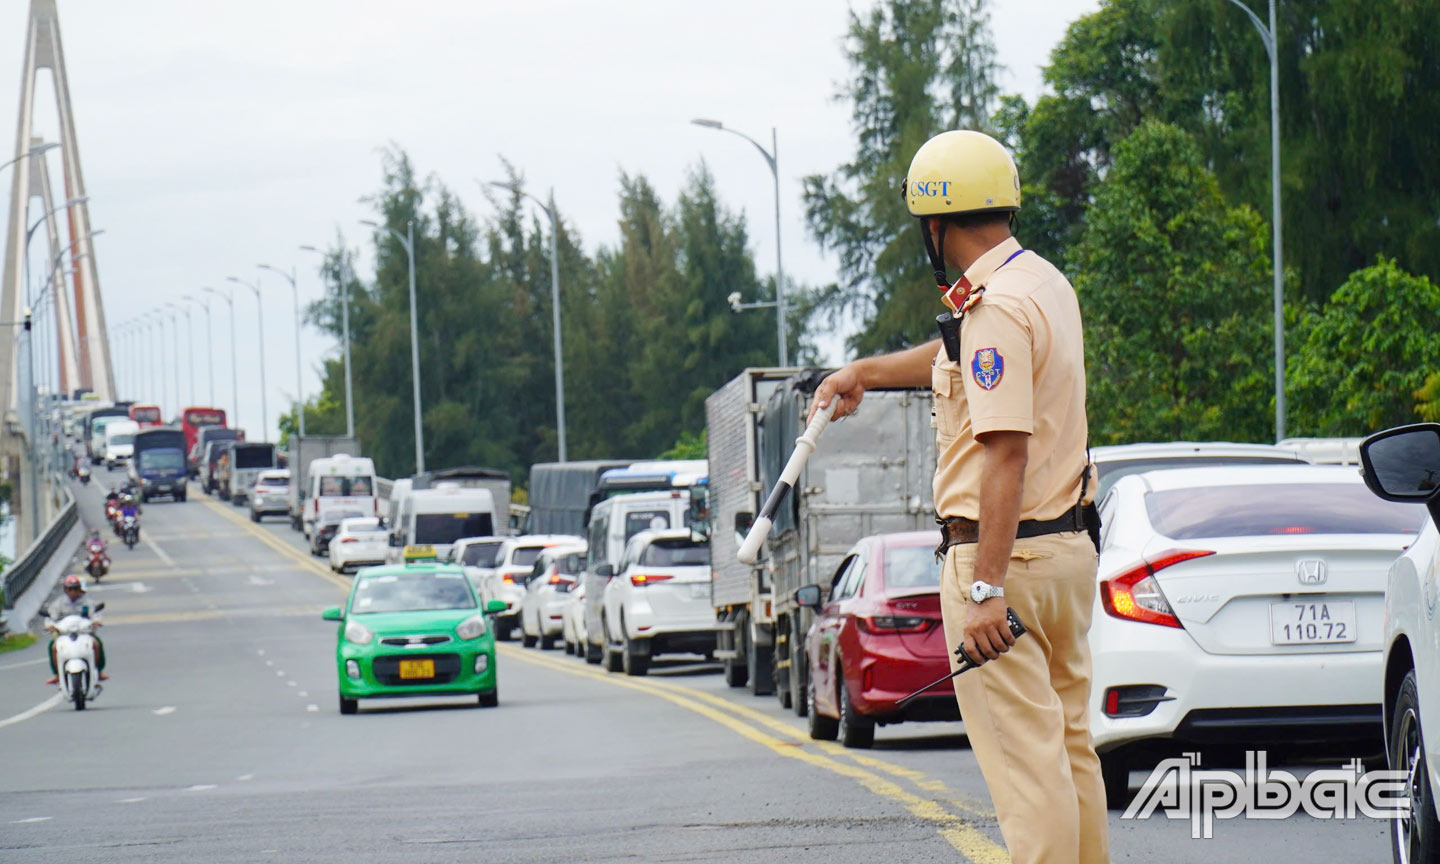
[214,137]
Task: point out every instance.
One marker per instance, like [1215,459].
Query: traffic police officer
[1012,474]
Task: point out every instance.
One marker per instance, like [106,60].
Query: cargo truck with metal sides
[158,463]
[560,494]
[871,474]
[300,452]
[470,477]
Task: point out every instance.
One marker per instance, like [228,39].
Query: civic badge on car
[1311,571]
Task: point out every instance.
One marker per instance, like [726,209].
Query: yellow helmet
[961,172]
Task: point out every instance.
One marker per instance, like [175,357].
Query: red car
[876,637]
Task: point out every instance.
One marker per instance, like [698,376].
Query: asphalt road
[219,739]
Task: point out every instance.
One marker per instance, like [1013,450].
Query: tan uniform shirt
[1021,369]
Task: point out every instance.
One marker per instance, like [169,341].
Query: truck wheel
[736,672]
[854,731]
[822,728]
[760,668]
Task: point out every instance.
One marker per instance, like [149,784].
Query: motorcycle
[130,530]
[83,473]
[75,658]
[99,563]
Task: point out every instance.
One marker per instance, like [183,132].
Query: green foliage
[646,327]
[690,445]
[1173,285]
[16,641]
[1368,357]
[920,67]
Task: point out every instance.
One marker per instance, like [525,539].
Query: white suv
[1403,464]
[547,591]
[658,601]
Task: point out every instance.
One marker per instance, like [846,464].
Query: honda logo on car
[1310,571]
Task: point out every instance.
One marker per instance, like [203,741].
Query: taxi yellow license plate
[417,668]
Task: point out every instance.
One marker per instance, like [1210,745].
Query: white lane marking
[303,693]
[201,787]
[290,684]
[312,708]
[258,582]
[139,588]
[32,819]
[243,777]
[279,673]
[161,712]
[38,709]
[261,652]
[34,662]
[131,800]
[155,547]
[269,662]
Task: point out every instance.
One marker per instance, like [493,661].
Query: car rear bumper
[887,672]
[1252,698]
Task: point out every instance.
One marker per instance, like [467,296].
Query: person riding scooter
[96,547]
[74,602]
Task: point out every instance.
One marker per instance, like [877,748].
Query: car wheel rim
[1407,834]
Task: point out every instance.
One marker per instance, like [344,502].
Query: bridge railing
[22,571]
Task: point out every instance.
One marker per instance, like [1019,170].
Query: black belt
[957,530]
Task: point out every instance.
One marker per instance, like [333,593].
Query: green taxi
[414,629]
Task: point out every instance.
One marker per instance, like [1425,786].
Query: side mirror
[495,607]
[99,607]
[808,596]
[1403,464]
[605,571]
[395,541]
[333,614]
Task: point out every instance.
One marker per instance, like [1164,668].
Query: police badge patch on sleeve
[987,367]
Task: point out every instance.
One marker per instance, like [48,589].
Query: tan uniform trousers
[1026,714]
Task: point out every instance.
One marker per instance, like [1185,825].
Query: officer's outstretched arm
[907,368]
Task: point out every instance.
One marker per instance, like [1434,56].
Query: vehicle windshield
[432,528]
[482,554]
[524,556]
[367,525]
[345,486]
[204,418]
[412,592]
[275,484]
[645,520]
[911,567]
[145,415]
[162,460]
[1277,509]
[122,440]
[680,552]
[254,457]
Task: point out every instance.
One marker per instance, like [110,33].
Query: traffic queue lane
[219,737]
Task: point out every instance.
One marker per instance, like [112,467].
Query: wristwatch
[982,591]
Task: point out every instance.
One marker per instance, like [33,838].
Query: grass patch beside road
[16,641]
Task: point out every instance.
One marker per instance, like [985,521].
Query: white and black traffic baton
[804,446]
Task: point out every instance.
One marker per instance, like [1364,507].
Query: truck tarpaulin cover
[560,494]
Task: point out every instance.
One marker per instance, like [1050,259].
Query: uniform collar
[985,266]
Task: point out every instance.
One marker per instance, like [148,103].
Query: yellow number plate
[417,668]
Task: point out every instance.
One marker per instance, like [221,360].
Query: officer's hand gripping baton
[1017,629]
[804,446]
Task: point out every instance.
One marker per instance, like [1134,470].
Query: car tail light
[562,579]
[640,580]
[886,624]
[509,580]
[348,540]
[1135,595]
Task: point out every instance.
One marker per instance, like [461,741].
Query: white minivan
[119,442]
[441,515]
[612,523]
[339,482]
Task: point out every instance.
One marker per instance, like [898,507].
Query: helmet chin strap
[937,259]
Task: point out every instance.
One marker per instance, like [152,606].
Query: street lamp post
[407,240]
[209,342]
[299,393]
[345,325]
[260,357]
[175,325]
[549,210]
[234,366]
[190,337]
[1269,36]
[772,158]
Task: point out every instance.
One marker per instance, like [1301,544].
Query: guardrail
[22,572]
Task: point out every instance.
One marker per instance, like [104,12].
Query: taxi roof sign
[419,554]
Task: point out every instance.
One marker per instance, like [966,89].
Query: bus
[146,415]
[191,420]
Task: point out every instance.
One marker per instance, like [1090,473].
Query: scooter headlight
[358,633]
[472,627]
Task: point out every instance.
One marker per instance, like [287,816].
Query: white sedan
[659,601]
[1241,605]
[546,592]
[358,542]
[1404,465]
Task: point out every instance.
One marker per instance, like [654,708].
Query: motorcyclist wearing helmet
[94,543]
[1012,485]
[73,601]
